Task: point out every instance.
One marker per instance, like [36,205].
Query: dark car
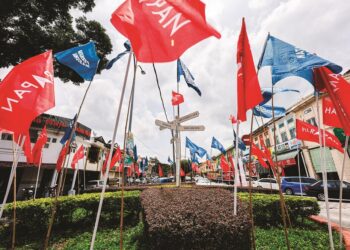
[333,190]
[296,184]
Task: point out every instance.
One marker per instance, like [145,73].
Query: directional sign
[191,128]
[163,125]
[187,117]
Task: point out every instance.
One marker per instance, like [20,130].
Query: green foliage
[29,27]
[74,213]
[266,208]
[193,219]
[309,236]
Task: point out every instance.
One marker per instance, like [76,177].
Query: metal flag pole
[341,192]
[110,155]
[13,169]
[324,172]
[38,174]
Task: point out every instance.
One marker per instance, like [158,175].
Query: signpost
[176,126]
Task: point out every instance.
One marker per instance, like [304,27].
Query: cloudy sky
[318,26]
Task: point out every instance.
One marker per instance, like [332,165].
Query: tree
[29,27]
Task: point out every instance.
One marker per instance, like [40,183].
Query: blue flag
[267,93]
[135,152]
[288,60]
[82,59]
[194,149]
[127,46]
[266,111]
[68,131]
[194,159]
[170,161]
[183,70]
[241,144]
[216,144]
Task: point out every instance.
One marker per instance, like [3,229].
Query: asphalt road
[334,212]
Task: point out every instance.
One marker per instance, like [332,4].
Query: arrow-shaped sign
[163,125]
[187,117]
[191,128]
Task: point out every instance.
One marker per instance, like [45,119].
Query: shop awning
[287,159]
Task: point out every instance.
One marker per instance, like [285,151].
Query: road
[334,212]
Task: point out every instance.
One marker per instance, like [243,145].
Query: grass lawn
[308,236]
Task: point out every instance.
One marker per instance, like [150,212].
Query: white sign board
[191,128]
[163,125]
[187,117]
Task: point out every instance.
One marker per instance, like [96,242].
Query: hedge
[194,219]
[266,208]
[73,213]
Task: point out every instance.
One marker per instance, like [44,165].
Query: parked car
[296,184]
[317,191]
[206,182]
[268,183]
[164,180]
[95,184]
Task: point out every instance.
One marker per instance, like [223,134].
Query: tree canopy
[29,27]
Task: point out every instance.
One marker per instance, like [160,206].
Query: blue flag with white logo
[194,149]
[241,144]
[194,159]
[68,131]
[127,46]
[82,59]
[216,144]
[182,70]
[267,93]
[266,111]
[288,60]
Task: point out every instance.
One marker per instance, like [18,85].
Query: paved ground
[334,212]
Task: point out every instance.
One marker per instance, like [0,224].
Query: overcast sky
[318,26]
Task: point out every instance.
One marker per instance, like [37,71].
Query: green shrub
[74,213]
[194,219]
[266,208]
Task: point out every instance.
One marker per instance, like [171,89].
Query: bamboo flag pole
[110,155]
[38,174]
[324,174]
[13,169]
[341,192]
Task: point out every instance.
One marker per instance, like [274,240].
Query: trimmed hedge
[74,213]
[194,219]
[266,208]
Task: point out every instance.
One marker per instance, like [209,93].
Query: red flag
[195,168]
[339,92]
[115,158]
[121,166]
[129,171]
[182,172]
[137,170]
[330,117]
[308,132]
[266,152]
[232,164]
[61,157]
[38,147]
[160,171]
[233,119]
[224,164]
[161,31]
[248,88]
[27,147]
[260,155]
[26,92]
[78,156]
[177,98]
[104,166]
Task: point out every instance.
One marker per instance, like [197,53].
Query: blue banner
[241,144]
[216,144]
[194,149]
[266,111]
[82,59]
[68,131]
[182,70]
[288,60]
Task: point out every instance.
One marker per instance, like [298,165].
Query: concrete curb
[335,226]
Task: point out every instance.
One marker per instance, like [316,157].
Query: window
[277,140]
[273,181]
[48,139]
[268,143]
[6,137]
[281,125]
[292,133]
[308,110]
[46,145]
[54,140]
[312,121]
[256,139]
[284,136]
[290,120]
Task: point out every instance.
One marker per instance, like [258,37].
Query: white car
[206,182]
[268,183]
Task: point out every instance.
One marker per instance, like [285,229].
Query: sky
[317,26]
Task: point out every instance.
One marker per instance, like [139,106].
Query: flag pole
[13,169]
[14,210]
[341,192]
[110,155]
[38,174]
[324,173]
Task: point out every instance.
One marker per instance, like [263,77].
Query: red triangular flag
[260,155]
[308,132]
[224,164]
[161,31]
[160,171]
[176,99]
[248,88]
[339,92]
[79,154]
[38,147]
[182,172]
[266,152]
[26,92]
[330,117]
[61,157]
